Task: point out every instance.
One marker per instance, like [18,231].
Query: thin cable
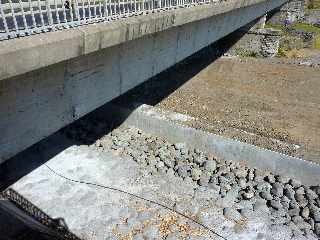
[139,197]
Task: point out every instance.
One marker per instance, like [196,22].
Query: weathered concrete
[64,76]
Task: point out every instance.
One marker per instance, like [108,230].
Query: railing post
[3,16]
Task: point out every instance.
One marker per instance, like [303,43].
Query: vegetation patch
[317,42]
[306,27]
[313,4]
[275,26]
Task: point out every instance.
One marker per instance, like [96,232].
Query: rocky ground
[236,201]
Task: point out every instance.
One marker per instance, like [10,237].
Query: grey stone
[276,204]
[289,192]
[315,212]
[200,159]
[196,174]
[311,195]
[277,189]
[317,229]
[305,213]
[263,186]
[242,183]
[297,219]
[170,172]
[184,151]
[231,177]
[316,189]
[270,178]
[303,225]
[210,165]
[232,214]
[302,201]
[241,173]
[283,179]
[312,223]
[295,183]
[251,175]
[204,179]
[266,195]
[223,169]
[248,195]
[160,165]
[285,202]
[293,204]
[245,204]
[197,151]
[214,187]
[179,146]
[300,191]
[183,171]
[225,187]
[258,179]
[223,180]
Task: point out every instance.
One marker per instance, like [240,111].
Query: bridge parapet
[21,55]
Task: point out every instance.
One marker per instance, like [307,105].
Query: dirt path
[267,103]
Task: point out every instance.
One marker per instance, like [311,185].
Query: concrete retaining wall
[170,126]
[76,78]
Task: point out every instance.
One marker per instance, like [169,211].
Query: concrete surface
[71,77]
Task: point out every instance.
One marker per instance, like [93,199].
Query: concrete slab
[86,209]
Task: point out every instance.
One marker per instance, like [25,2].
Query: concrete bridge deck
[49,80]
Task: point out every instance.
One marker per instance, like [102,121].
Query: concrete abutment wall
[35,104]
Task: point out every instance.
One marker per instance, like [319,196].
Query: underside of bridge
[49,80]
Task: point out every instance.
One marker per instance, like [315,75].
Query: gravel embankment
[292,210]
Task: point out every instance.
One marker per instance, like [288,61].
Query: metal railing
[25,17]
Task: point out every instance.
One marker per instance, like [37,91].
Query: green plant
[316,44]
[313,4]
[275,26]
[306,27]
[282,52]
[252,54]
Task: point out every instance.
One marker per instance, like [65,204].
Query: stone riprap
[289,209]
[263,42]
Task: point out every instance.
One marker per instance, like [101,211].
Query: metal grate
[52,225]
[25,17]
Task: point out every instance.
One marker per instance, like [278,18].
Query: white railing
[25,17]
